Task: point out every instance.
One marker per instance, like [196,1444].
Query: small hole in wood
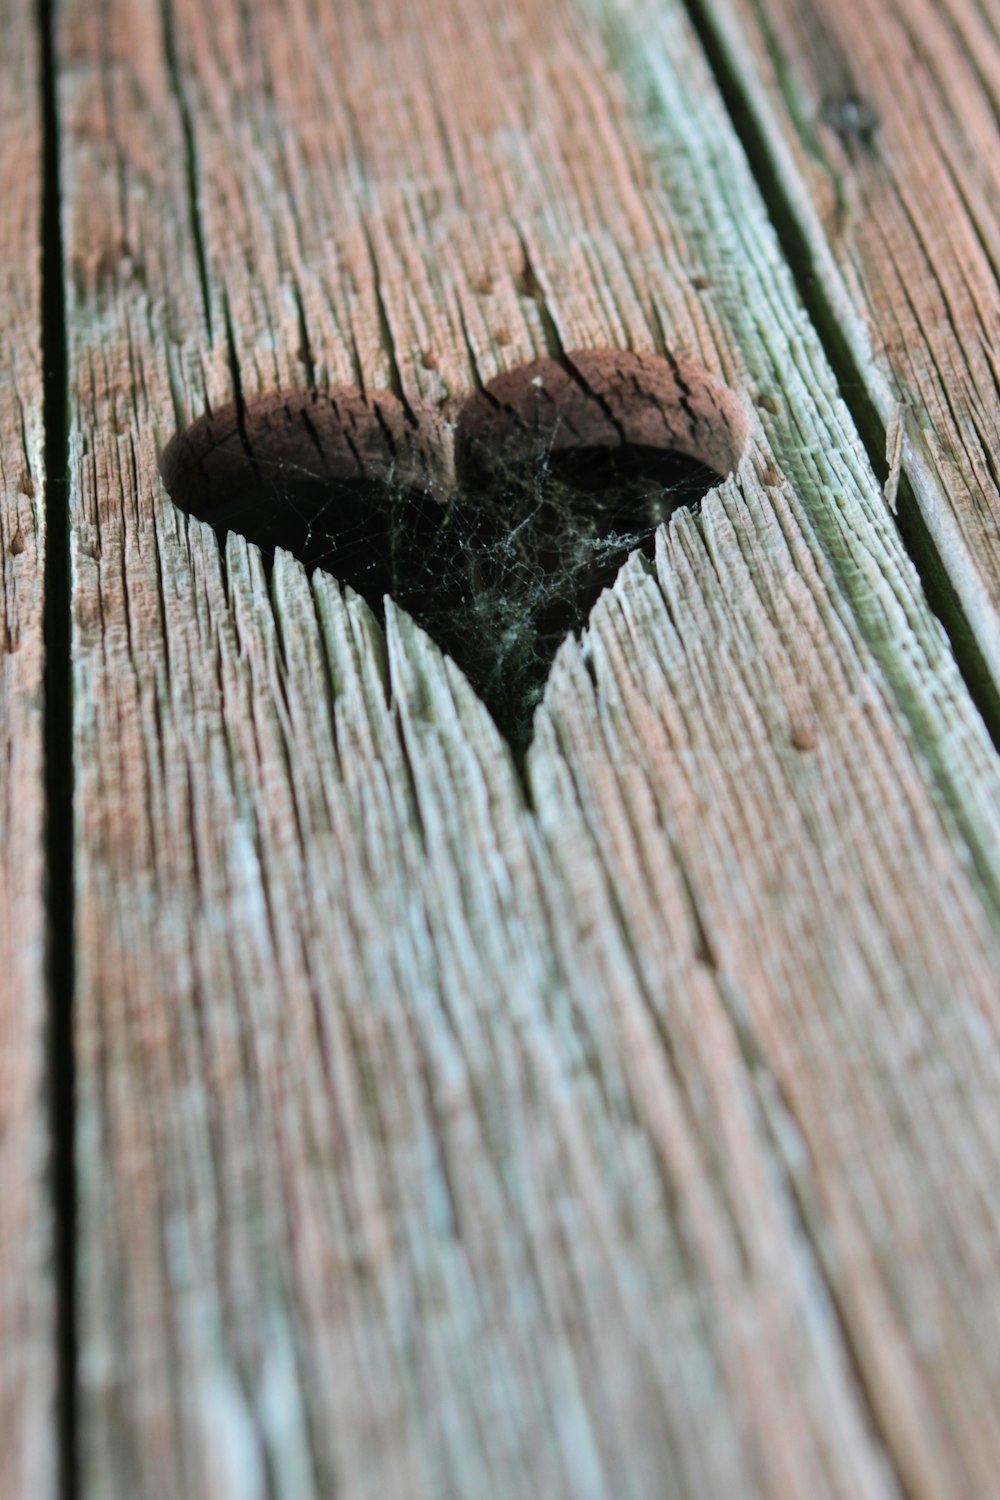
[558,480]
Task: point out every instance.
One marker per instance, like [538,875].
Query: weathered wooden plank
[880,123]
[27,1301]
[625,1131]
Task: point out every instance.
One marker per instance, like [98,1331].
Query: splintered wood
[878,126]
[622,1125]
[27,1291]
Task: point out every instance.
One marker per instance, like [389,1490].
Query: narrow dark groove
[937,585]
[58,767]
[190,157]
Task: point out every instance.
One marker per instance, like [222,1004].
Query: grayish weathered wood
[628,1132]
[879,122]
[27,1296]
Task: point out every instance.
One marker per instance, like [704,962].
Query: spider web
[499,572]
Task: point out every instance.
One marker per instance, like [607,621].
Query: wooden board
[627,1129]
[876,127]
[27,1291]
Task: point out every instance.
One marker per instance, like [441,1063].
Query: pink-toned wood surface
[634,1135]
[27,1285]
[618,1125]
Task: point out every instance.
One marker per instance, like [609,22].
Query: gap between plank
[58,767]
[938,588]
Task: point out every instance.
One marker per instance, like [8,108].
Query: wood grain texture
[627,1130]
[27,1332]
[880,125]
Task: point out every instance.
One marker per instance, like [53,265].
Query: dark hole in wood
[498,573]
[522,555]
[563,471]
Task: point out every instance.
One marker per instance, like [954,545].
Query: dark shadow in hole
[500,573]
[562,473]
[532,549]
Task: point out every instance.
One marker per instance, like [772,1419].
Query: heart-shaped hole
[498,530]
